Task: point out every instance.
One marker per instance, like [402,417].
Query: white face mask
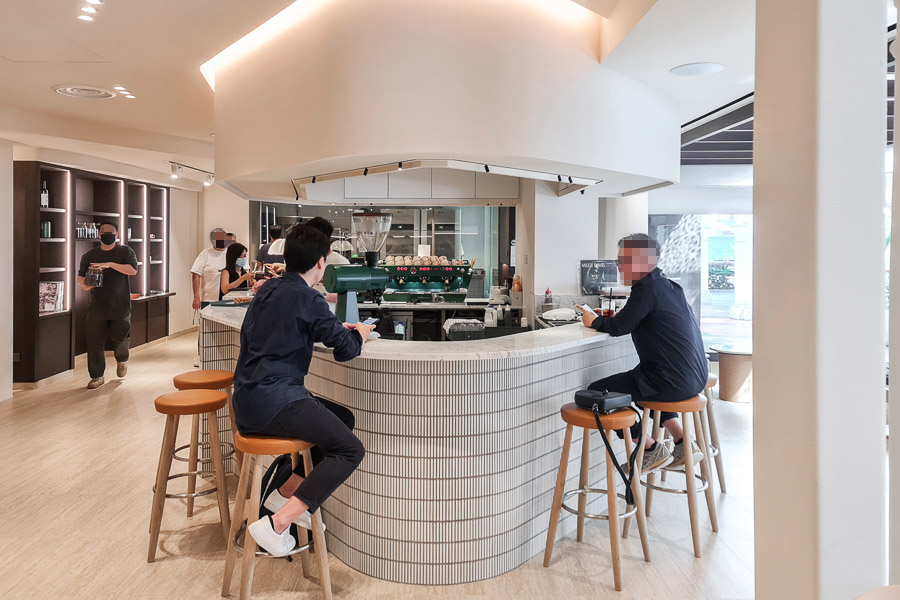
[241,263]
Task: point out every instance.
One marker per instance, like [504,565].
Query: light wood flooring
[75,489]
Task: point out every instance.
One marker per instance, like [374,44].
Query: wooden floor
[75,495]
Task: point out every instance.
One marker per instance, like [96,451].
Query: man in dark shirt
[285,319]
[109,314]
[673,363]
[263,255]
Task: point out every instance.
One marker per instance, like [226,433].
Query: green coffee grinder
[348,280]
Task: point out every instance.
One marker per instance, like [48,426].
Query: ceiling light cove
[696,69]
[85,18]
[84,91]
[88,9]
[95,1]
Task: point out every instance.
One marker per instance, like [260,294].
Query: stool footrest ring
[670,490]
[188,474]
[584,491]
[238,543]
[228,452]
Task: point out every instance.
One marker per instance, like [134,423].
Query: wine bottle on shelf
[45,195]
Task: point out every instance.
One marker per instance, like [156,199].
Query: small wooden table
[735,372]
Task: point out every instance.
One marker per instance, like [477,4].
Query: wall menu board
[597,274]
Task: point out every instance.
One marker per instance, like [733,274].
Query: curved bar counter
[462,443]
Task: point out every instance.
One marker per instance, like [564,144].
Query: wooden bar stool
[174,406]
[711,430]
[207,379]
[580,417]
[693,407]
[239,540]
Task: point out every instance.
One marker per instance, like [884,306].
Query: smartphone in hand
[371,321]
[586,309]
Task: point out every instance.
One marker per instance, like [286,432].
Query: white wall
[221,208]
[6,258]
[184,245]
[565,233]
[618,217]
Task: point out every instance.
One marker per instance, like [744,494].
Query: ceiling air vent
[84,91]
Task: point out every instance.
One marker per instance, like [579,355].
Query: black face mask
[220,244]
[108,238]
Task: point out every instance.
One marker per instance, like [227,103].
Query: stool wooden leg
[662,476]
[713,438]
[248,560]
[613,512]
[556,507]
[302,531]
[706,472]
[651,478]
[583,479]
[629,446]
[639,504]
[215,451]
[691,483]
[192,462]
[159,497]
[318,533]
[240,508]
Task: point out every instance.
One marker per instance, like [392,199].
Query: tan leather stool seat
[695,404]
[190,402]
[207,379]
[268,446]
[712,380]
[582,417]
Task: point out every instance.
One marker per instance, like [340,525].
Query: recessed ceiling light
[695,69]
[86,17]
[95,1]
[130,96]
[84,91]
[88,9]
[119,88]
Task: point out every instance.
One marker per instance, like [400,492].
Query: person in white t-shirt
[333,258]
[205,272]
[206,275]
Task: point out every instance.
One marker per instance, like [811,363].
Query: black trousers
[626,383]
[102,329]
[337,451]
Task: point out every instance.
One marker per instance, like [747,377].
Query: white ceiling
[153,48]
[676,32]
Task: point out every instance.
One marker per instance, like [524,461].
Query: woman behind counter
[234,276]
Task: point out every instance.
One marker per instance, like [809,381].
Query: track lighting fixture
[177,170]
[487,169]
[399,166]
[210,179]
[366,172]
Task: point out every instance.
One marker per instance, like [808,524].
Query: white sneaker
[263,532]
[276,501]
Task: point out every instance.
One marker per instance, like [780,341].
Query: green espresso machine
[347,281]
[428,283]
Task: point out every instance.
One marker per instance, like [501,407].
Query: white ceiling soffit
[689,31]
[601,7]
[153,49]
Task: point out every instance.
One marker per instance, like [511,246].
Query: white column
[620,217]
[6,257]
[894,406]
[818,447]
[743,268]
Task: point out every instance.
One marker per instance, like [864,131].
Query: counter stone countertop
[515,345]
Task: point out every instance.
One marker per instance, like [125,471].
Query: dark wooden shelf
[135,216]
[44,315]
[53,210]
[156,262]
[132,240]
[94,213]
[87,240]
[156,218]
[157,240]
[53,239]
[53,270]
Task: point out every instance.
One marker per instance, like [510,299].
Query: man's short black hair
[303,248]
[322,225]
[110,223]
[275,232]
[639,240]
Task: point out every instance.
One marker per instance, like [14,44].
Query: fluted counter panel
[462,442]
[461,457]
